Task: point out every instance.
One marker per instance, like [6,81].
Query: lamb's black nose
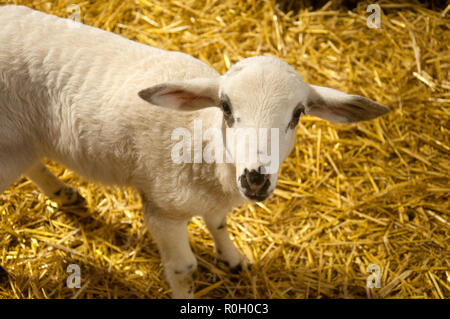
[255,181]
[254,177]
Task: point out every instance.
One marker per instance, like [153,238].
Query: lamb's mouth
[256,197]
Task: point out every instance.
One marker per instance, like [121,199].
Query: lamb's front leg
[171,236]
[225,248]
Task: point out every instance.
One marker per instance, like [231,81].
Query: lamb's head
[262,99]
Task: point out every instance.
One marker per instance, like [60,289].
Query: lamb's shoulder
[179,186]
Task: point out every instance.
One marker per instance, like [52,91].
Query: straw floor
[348,196]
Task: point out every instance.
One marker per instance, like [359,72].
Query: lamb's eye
[225,108]
[298,112]
[225,105]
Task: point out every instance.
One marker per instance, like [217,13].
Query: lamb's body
[106,107]
[81,84]
[69,93]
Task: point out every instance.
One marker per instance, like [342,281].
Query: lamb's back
[78,85]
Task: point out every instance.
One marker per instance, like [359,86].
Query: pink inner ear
[337,110]
[180,94]
[184,100]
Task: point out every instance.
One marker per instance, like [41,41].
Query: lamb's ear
[337,106]
[187,95]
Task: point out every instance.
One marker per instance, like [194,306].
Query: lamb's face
[262,99]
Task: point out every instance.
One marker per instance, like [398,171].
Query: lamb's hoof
[239,268]
[69,196]
[236,269]
[80,201]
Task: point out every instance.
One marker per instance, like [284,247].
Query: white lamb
[106,107]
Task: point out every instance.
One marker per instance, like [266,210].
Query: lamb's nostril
[255,186]
[255,178]
[243,180]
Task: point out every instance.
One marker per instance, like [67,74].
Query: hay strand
[348,196]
